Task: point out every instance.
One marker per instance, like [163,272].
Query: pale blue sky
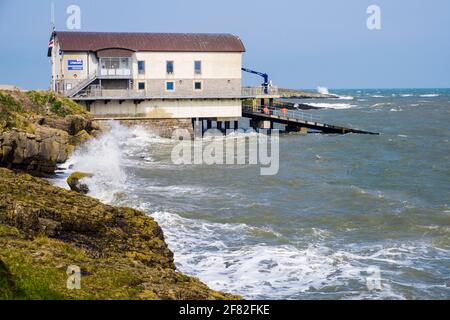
[301,44]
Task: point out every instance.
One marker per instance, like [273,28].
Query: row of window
[170,67]
[170,85]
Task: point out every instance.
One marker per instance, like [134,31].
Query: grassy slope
[19,109]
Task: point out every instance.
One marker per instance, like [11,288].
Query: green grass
[22,279]
[9,103]
[18,109]
[61,106]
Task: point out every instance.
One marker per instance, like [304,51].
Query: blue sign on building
[75,64]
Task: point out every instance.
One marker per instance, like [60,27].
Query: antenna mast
[52,14]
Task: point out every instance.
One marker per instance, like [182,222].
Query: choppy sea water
[339,208]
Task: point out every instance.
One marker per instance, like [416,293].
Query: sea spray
[102,158]
[323,90]
[106,156]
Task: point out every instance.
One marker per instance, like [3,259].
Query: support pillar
[198,128]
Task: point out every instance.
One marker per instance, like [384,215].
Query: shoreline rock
[39,130]
[75,184]
[121,251]
[300,94]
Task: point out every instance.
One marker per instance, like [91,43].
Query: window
[169,67]
[141,67]
[141,85]
[112,64]
[170,86]
[115,63]
[198,67]
[124,63]
[197,85]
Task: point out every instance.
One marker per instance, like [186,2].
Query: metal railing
[259,91]
[95,91]
[80,85]
[282,113]
[115,73]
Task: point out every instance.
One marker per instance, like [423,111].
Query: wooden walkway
[294,118]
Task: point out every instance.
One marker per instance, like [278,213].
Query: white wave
[332,105]
[218,255]
[104,156]
[252,270]
[377,105]
[431,95]
[377,96]
[346,98]
[406,95]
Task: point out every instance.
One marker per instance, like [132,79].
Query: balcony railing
[282,113]
[115,73]
[259,91]
[94,92]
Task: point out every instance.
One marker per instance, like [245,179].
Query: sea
[346,217]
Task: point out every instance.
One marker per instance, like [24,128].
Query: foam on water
[332,105]
[216,253]
[346,98]
[431,95]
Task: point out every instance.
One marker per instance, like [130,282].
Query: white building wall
[168,109]
[214,65]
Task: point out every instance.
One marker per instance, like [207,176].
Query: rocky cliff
[121,252]
[38,130]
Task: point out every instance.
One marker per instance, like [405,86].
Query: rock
[95,126]
[75,184]
[80,138]
[76,123]
[121,251]
[34,138]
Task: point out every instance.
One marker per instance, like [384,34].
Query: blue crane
[264,75]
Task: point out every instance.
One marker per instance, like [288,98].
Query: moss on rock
[74,182]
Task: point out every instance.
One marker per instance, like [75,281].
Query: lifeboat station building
[151,75]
